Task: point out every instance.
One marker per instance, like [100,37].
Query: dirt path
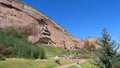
[65,66]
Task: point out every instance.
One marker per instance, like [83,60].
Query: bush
[2,57]
[83,53]
[5,51]
[14,40]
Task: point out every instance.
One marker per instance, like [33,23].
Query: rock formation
[36,26]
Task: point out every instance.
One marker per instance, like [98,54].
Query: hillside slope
[36,26]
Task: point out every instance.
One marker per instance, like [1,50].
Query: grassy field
[27,63]
[85,65]
[73,67]
[88,65]
[52,51]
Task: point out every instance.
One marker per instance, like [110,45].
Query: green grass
[29,63]
[88,65]
[52,51]
[73,67]
[85,65]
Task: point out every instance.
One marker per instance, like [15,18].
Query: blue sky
[82,18]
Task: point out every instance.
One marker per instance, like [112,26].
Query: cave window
[42,22]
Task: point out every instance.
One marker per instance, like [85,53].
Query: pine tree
[107,53]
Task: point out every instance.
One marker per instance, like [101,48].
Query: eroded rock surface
[36,26]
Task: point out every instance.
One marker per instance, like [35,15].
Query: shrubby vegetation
[14,44]
[2,57]
[85,52]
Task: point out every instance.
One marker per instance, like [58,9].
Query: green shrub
[21,47]
[83,53]
[5,51]
[2,57]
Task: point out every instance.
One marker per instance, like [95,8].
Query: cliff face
[37,27]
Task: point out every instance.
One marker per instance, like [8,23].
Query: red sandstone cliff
[36,26]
